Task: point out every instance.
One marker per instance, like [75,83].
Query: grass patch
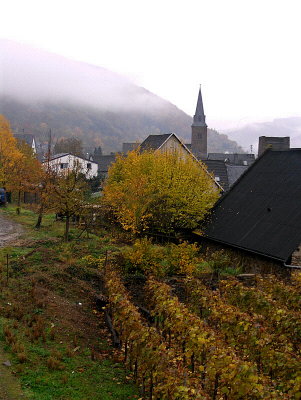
[58,344]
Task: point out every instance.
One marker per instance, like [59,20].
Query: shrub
[145,257]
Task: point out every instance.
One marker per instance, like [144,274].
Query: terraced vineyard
[236,342]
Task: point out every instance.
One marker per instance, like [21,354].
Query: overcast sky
[245,53]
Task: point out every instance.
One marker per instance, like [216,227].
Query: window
[63,165]
[89,166]
[217,179]
[245,162]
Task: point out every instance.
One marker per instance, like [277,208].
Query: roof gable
[154,142]
[262,213]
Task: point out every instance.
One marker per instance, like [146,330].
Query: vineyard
[234,342]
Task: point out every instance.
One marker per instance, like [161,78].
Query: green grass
[48,262]
[81,378]
[28,218]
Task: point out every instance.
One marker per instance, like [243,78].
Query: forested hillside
[42,91]
[105,128]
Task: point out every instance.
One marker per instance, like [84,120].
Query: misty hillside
[250,133]
[41,91]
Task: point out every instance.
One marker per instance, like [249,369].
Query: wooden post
[7,268]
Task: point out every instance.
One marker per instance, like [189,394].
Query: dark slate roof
[154,142]
[126,147]
[199,118]
[233,158]
[59,155]
[219,170]
[234,172]
[104,162]
[262,213]
[26,137]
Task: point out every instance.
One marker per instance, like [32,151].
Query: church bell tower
[199,131]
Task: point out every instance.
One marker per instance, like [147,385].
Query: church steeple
[199,118]
[199,130]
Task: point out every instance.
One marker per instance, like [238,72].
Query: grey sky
[244,52]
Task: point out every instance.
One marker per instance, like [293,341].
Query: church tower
[199,130]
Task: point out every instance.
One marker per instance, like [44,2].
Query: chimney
[274,143]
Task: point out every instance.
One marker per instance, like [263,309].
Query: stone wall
[248,262]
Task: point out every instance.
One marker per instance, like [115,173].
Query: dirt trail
[10,388]
[9,385]
[9,231]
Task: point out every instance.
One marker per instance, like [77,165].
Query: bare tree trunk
[40,217]
[19,203]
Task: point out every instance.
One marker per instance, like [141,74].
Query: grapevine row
[247,334]
[161,374]
[222,373]
[288,296]
[285,324]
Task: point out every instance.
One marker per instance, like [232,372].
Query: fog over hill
[41,91]
[249,134]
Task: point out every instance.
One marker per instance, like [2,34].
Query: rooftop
[261,213]
[154,142]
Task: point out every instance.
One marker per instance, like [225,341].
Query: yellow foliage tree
[26,172]
[159,191]
[9,154]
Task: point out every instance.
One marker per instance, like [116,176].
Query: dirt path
[9,230]
[10,388]
[9,385]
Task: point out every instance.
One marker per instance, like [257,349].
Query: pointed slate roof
[154,142]
[199,118]
[26,137]
[261,213]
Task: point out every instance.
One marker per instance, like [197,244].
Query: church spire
[199,118]
[199,131]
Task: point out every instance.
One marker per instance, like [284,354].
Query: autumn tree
[9,154]
[26,172]
[47,180]
[71,145]
[153,191]
[66,194]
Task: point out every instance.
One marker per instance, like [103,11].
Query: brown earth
[9,231]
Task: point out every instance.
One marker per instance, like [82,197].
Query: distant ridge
[41,91]
[249,134]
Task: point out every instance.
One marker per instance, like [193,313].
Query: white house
[67,161]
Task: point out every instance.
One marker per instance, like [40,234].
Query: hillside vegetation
[42,91]
[186,328]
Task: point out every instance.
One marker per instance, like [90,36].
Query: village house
[260,215]
[66,161]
